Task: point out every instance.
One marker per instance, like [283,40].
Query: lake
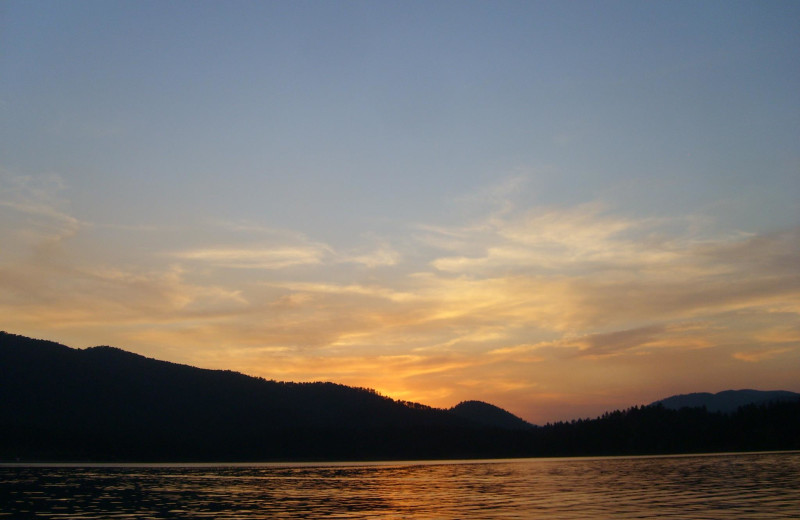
[719,486]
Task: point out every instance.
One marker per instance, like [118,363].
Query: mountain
[109,404]
[726,401]
[489,415]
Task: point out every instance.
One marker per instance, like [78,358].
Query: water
[698,487]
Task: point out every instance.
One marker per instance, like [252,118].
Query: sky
[560,208]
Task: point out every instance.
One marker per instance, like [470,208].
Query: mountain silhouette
[489,415]
[726,401]
[105,404]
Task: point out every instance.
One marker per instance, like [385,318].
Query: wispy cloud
[256,257]
[756,356]
[262,247]
[381,255]
[517,304]
[374,291]
[39,200]
[283,256]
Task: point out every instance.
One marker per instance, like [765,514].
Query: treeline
[658,430]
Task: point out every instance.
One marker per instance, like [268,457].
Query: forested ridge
[106,404]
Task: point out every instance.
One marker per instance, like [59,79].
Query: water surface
[714,487]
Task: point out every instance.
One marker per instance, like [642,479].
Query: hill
[489,415]
[104,403]
[726,401]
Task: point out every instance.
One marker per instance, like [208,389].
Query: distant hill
[105,404]
[726,401]
[489,415]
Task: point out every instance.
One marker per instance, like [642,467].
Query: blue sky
[558,207]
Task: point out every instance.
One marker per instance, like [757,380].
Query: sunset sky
[560,208]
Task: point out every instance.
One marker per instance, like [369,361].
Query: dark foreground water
[693,487]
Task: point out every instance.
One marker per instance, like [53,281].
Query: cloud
[651,336]
[36,208]
[374,291]
[54,273]
[773,339]
[561,240]
[757,356]
[675,336]
[106,297]
[590,310]
[256,257]
[380,256]
[774,253]
[495,199]
[249,245]
[516,305]
[620,268]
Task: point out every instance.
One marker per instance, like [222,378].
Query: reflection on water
[698,487]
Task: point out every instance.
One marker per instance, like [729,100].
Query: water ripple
[699,487]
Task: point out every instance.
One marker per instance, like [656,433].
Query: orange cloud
[756,356]
[541,306]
